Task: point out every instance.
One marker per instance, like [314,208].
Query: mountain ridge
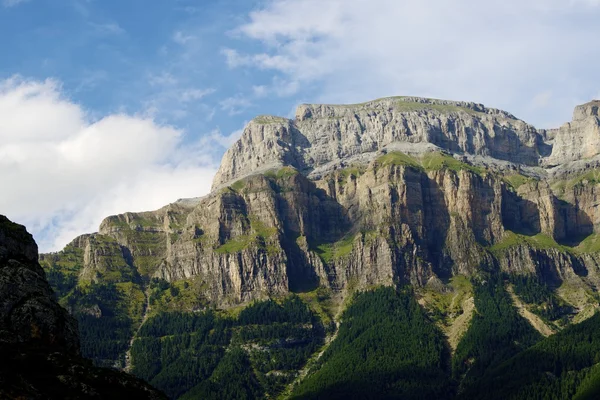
[342,200]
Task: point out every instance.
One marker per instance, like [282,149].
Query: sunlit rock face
[397,190]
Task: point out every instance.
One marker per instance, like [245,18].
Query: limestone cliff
[394,191]
[322,136]
[578,139]
[39,342]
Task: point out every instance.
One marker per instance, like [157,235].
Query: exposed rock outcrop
[398,190]
[39,343]
[578,139]
[323,136]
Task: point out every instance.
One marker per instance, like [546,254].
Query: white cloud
[260,91]
[181,38]
[12,3]
[234,59]
[162,79]
[195,94]
[500,52]
[62,173]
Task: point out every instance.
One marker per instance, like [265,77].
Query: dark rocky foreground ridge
[39,340]
[397,192]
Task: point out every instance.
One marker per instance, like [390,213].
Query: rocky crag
[394,191]
[39,340]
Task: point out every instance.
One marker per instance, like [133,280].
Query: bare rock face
[39,342]
[323,134]
[584,111]
[397,190]
[578,139]
[30,315]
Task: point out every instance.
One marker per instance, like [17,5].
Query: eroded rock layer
[394,191]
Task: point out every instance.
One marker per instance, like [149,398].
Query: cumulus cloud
[501,52]
[62,172]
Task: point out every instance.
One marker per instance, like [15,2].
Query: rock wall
[327,200]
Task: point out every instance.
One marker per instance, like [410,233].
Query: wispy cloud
[162,79]
[181,38]
[195,94]
[503,53]
[235,105]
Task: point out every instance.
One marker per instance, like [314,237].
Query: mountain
[39,342]
[486,227]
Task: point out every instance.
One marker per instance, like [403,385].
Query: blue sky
[110,106]
[161,57]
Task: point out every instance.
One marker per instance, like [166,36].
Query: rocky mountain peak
[579,139]
[586,110]
[305,111]
[324,137]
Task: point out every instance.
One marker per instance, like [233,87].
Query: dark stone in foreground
[39,342]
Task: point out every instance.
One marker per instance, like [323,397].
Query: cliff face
[395,191]
[39,342]
[323,136]
[578,139]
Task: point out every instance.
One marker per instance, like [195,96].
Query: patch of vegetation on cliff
[262,236]
[330,252]
[238,186]
[185,295]
[436,160]
[517,180]
[385,348]
[562,186]
[540,241]
[235,245]
[402,104]
[443,108]
[136,220]
[397,158]
[282,173]
[323,304]
[205,355]
[62,269]
[354,171]
[446,302]
[269,119]
[590,244]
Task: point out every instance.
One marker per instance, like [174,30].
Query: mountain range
[400,248]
